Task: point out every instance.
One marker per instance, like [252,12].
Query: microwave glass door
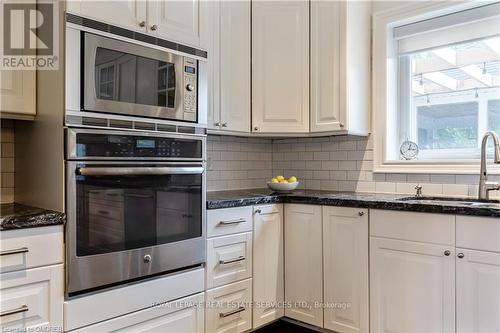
[129,78]
[123,211]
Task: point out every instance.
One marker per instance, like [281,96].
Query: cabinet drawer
[229,221]
[181,316]
[228,308]
[478,233]
[28,248]
[229,259]
[417,227]
[32,299]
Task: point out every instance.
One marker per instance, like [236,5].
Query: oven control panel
[136,146]
[190,71]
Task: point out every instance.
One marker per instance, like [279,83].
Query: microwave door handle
[138,171]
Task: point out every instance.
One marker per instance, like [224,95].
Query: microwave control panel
[190,86]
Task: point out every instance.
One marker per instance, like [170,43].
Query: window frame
[386,88]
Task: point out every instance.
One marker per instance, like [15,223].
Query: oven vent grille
[134,125]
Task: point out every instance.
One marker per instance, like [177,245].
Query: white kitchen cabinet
[185,315]
[32,300]
[268,275]
[185,22]
[228,308]
[303,263]
[345,269]
[478,291]
[18,94]
[130,14]
[412,286]
[182,21]
[280,66]
[340,66]
[230,49]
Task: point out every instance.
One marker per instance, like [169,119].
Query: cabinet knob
[218,124]
[341,125]
[147,259]
[460,255]
[142,24]
[154,27]
[256,128]
[258,211]
[447,253]
[224,125]
[361,213]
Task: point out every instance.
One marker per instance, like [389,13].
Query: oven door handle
[138,171]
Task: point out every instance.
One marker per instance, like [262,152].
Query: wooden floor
[284,327]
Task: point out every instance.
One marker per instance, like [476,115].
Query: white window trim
[385,85]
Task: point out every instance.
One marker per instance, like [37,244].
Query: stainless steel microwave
[126,77]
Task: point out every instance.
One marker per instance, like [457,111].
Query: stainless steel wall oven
[135,204]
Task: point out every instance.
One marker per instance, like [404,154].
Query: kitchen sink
[451,201]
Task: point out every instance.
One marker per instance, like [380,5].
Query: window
[447,84]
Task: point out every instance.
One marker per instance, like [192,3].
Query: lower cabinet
[32,300]
[185,315]
[229,308]
[345,269]
[303,263]
[412,286]
[478,291]
[268,278]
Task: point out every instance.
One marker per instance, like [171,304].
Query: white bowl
[282,187]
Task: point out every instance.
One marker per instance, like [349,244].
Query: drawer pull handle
[230,261]
[20,309]
[232,312]
[14,251]
[242,220]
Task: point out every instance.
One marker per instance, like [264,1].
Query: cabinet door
[213,112]
[177,20]
[326,28]
[412,287]
[303,263]
[345,269]
[478,291]
[280,66]
[182,316]
[268,278]
[130,14]
[234,65]
[18,92]
[32,300]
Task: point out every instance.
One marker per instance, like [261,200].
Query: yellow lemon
[283,181]
[292,179]
[280,178]
[274,180]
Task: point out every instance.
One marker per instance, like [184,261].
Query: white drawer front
[229,259]
[182,316]
[478,233]
[28,248]
[34,298]
[412,226]
[228,308]
[229,221]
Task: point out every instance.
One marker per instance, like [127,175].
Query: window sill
[462,167]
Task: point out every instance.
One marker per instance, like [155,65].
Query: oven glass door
[125,208]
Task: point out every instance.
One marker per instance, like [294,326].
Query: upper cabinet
[340,66]
[180,21]
[280,66]
[18,94]
[229,62]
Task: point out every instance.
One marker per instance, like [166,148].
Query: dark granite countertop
[17,216]
[238,198]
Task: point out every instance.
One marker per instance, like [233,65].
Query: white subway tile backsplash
[329,163]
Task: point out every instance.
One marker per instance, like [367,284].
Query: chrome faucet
[484,185]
